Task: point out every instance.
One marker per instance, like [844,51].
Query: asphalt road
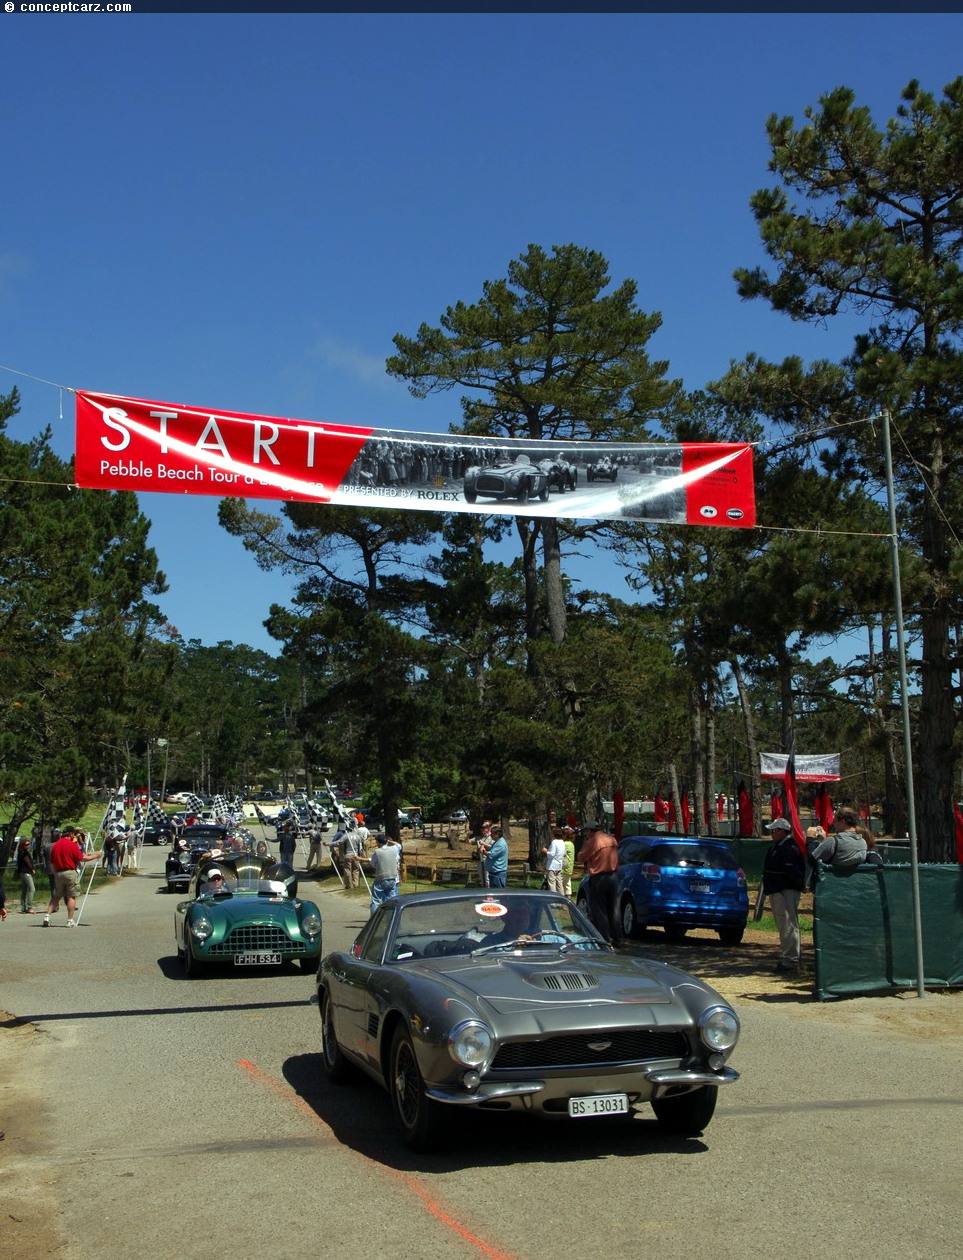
[147,1115]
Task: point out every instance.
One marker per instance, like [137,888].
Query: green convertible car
[245,912]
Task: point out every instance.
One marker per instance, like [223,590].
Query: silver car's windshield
[490,924]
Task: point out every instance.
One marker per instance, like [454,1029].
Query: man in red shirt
[600,855]
[66,860]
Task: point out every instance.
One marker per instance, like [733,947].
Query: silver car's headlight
[719,1028]
[470,1043]
[201,927]
[311,924]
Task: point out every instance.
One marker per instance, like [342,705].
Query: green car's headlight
[311,924]
[470,1043]
[201,927]
[719,1028]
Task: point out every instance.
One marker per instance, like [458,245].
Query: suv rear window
[700,855]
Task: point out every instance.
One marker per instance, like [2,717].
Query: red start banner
[134,444]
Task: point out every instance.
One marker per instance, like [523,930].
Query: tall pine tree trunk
[752,747]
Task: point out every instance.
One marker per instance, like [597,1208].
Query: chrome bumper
[662,1080]
[673,1078]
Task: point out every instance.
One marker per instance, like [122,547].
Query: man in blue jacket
[783,879]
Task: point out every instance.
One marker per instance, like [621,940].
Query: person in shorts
[67,859]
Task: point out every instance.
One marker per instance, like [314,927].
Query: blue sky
[240,210]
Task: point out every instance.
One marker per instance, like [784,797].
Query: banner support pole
[904,705]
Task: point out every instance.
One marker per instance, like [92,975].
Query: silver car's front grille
[260,937]
[624,1045]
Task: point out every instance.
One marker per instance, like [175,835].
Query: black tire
[419,1119]
[192,968]
[470,495]
[630,920]
[686,1113]
[731,935]
[335,1066]
[543,497]
[308,965]
[675,934]
[524,490]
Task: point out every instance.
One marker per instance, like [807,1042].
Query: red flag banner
[747,822]
[133,444]
[792,804]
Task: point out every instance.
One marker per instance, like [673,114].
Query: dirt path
[29,1211]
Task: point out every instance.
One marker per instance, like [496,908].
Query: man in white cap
[214,881]
[783,879]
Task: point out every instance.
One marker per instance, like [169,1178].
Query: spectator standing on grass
[481,843]
[568,862]
[386,867]
[600,856]
[554,856]
[783,879]
[25,875]
[496,859]
[46,846]
[353,853]
[364,839]
[67,859]
[112,853]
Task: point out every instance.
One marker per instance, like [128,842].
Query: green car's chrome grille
[261,937]
[586,1049]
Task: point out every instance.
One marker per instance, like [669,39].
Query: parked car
[511,1001]
[519,480]
[681,882]
[251,917]
[158,832]
[456,816]
[374,818]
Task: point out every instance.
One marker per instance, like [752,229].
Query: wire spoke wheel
[419,1119]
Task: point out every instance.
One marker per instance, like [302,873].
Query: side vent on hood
[565,980]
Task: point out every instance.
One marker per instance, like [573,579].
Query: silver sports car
[511,1001]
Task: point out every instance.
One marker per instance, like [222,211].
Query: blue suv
[681,882]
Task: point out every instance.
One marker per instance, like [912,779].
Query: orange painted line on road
[429,1202]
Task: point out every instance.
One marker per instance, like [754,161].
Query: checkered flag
[138,815]
[261,816]
[220,806]
[194,803]
[155,814]
[116,815]
[316,811]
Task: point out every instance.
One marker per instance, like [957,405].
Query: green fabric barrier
[863,930]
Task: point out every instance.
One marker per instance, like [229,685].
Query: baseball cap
[780,824]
